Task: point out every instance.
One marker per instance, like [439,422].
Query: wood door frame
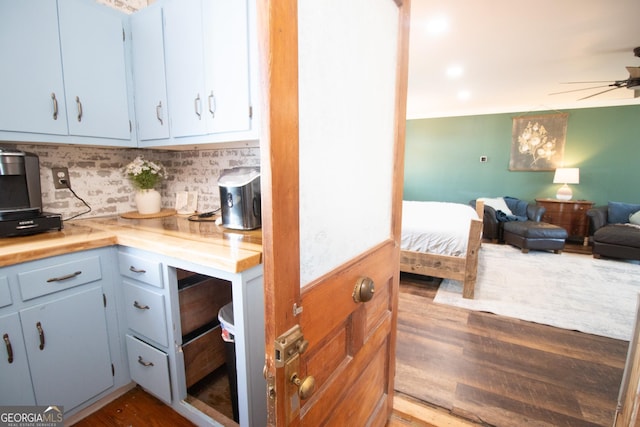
[279,153]
[279,148]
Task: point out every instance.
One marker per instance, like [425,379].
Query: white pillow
[496,203]
[634,218]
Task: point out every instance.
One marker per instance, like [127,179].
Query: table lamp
[566,176]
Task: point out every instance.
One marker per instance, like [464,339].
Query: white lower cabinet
[68,348]
[14,367]
[58,323]
[173,339]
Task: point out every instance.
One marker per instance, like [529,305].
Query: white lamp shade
[567,176]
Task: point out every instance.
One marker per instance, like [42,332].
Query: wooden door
[629,396]
[334,77]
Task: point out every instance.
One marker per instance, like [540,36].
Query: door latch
[288,345]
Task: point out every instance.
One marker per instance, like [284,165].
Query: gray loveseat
[612,233]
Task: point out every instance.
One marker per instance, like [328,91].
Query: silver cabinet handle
[159,112]
[55,106]
[143,363]
[7,343]
[79,104]
[197,107]
[65,277]
[212,104]
[136,304]
[136,270]
[40,335]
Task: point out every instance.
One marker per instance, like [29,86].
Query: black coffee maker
[20,196]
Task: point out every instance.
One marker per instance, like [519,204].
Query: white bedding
[436,227]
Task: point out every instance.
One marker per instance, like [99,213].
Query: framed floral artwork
[537,142]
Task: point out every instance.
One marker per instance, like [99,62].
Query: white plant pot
[148,201]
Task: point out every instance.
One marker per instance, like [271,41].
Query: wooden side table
[568,214]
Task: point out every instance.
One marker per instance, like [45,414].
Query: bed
[441,239]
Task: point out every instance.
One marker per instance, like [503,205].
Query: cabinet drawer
[5,293]
[149,367]
[145,312]
[200,299]
[203,355]
[59,277]
[144,270]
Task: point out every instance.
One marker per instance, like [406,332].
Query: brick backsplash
[96,175]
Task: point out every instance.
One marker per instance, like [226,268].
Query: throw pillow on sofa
[619,212]
[635,218]
[497,203]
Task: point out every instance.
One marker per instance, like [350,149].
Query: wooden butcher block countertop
[203,243]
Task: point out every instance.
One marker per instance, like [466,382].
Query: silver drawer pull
[159,112]
[136,304]
[137,270]
[66,277]
[196,104]
[55,106]
[79,105]
[143,363]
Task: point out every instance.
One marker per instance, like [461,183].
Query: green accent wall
[442,160]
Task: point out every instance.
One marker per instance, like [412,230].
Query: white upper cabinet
[176,72]
[31,75]
[150,91]
[64,76]
[93,60]
[207,65]
[184,50]
[227,66]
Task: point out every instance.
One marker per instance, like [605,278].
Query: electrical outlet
[60,178]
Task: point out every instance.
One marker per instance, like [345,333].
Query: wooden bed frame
[462,268]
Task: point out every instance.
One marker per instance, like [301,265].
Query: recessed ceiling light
[438,25]
[463,95]
[454,71]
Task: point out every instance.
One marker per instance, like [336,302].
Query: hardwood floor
[135,408]
[500,371]
[461,368]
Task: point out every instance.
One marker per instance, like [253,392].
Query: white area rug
[569,291]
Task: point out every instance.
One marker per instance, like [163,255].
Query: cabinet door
[31,74]
[14,368]
[68,348]
[184,49]
[92,42]
[227,64]
[147,44]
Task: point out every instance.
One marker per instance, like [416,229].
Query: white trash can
[225,316]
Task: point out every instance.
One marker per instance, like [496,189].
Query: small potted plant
[145,175]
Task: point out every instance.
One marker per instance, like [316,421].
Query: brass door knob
[364,290]
[305,386]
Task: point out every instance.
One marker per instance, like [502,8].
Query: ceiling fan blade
[599,93]
[578,90]
[634,72]
[577,83]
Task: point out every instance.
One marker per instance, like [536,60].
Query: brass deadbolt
[306,386]
[364,290]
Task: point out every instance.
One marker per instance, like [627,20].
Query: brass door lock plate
[288,345]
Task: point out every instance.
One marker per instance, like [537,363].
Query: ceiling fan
[633,82]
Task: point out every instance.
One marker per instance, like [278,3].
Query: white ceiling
[515,53]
